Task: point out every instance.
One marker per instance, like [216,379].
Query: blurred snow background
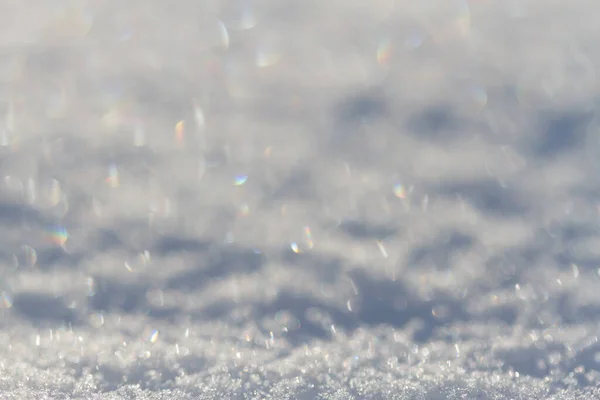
[318,199]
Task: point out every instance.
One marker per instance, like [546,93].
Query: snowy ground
[320,199]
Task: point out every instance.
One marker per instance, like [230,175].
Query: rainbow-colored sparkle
[400,191]
[384,52]
[240,180]
[179,131]
[113,176]
[57,235]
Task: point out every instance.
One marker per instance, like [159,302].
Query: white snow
[299,200]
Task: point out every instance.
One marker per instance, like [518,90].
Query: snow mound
[299,200]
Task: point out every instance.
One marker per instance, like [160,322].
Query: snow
[299,200]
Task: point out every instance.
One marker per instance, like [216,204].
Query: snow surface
[364,199]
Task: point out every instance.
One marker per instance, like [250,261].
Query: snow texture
[318,199]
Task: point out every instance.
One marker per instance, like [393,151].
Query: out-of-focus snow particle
[57,235]
[27,256]
[224,35]
[414,40]
[382,249]
[441,311]
[30,192]
[451,21]
[138,261]
[153,336]
[478,96]
[295,247]
[309,239]
[156,298]
[304,245]
[139,135]
[179,132]
[240,180]
[266,57]
[90,286]
[199,116]
[244,210]
[6,299]
[239,15]
[287,321]
[575,271]
[400,191]
[49,196]
[384,52]
[96,320]
[113,176]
